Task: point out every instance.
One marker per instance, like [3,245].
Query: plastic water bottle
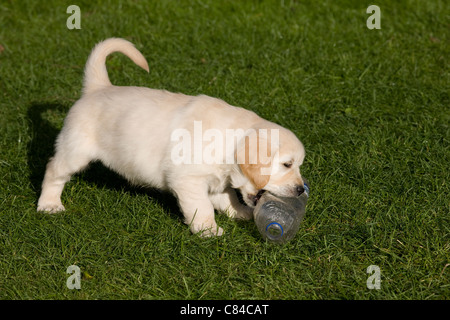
[278,218]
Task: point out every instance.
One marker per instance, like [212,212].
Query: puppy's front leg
[197,209]
[228,203]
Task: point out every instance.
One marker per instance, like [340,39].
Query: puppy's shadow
[45,123]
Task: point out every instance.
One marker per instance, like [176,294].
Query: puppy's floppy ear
[254,156]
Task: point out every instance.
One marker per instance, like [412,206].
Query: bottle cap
[306,187]
[274,231]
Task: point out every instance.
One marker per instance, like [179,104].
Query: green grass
[371,107]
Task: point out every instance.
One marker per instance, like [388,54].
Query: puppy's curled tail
[95,73]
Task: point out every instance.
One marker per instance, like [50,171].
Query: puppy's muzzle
[300,189]
[255,197]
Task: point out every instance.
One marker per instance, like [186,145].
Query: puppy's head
[270,159]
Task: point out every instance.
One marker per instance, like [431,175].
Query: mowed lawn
[371,107]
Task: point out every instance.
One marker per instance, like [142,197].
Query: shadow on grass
[41,148]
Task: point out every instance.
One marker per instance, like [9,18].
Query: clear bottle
[278,218]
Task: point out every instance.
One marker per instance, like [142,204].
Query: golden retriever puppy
[199,148]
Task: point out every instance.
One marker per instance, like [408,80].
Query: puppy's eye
[287,164]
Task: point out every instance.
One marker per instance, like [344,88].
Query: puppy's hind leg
[60,168]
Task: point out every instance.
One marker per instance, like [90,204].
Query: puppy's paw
[50,207]
[241,213]
[244,213]
[217,232]
[206,231]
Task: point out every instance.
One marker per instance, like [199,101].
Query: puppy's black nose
[300,190]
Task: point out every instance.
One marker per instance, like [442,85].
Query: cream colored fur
[129,130]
